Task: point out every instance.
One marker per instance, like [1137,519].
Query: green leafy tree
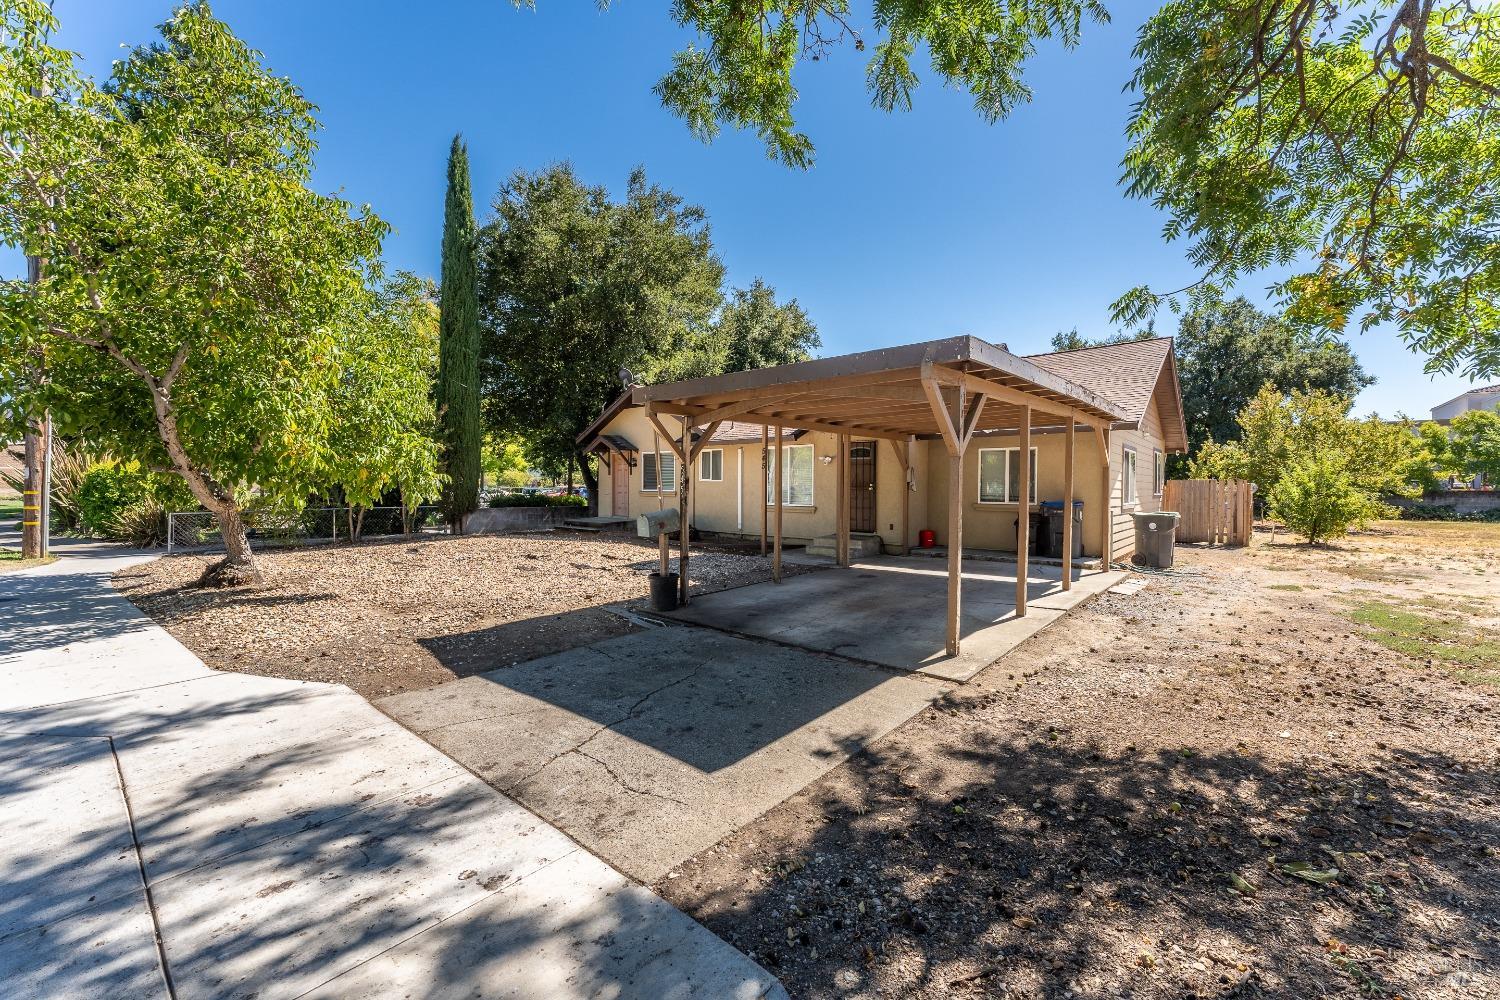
[505,461]
[458,367]
[1350,139]
[742,75]
[1075,341]
[383,439]
[192,285]
[752,330]
[1278,431]
[1227,350]
[1475,444]
[1316,497]
[575,287]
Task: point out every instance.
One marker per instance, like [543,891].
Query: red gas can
[926,538]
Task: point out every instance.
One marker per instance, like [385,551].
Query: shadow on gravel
[1047,869]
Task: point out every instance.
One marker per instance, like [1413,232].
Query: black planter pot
[663,592]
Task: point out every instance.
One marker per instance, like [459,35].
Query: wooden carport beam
[903,458]
[1023,511]
[1002,393]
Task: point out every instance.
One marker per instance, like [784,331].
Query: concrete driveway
[651,747]
[893,611]
[170,831]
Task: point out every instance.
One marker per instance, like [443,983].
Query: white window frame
[1158,472]
[786,482]
[703,476]
[659,458]
[1006,483]
[1128,485]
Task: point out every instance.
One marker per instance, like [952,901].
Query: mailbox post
[661,523]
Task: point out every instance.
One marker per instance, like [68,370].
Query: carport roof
[884,393]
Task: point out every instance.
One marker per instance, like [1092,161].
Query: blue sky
[910,226]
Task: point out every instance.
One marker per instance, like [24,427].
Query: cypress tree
[458,345]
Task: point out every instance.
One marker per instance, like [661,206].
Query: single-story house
[876,444]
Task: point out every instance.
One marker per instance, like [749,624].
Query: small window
[711,466]
[1158,473]
[667,463]
[1000,475]
[797,483]
[1127,473]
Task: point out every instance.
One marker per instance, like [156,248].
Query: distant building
[1484,398]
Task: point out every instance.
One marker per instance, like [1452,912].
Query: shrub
[142,524]
[535,500]
[110,488]
[1317,498]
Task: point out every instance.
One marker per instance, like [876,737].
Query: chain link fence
[197,531]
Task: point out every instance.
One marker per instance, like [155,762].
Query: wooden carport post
[1106,517]
[765,445]
[776,543]
[841,504]
[1067,539]
[957,428]
[1023,511]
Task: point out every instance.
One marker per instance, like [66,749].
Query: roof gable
[1128,374]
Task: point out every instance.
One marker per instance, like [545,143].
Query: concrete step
[861,546]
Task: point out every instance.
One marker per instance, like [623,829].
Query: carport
[951,389]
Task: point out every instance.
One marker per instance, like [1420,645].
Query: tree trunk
[239,566]
[590,482]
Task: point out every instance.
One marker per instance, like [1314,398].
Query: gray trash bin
[1055,528]
[1155,534]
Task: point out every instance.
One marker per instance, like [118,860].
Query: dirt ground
[1272,773]
[392,616]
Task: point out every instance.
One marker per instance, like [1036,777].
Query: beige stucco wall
[733,506]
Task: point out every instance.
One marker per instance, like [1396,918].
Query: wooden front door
[619,484]
[862,486]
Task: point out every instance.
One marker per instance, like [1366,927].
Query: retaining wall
[507,520]
[1462,501]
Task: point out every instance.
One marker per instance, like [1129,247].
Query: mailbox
[656,522]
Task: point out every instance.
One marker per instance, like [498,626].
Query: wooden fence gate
[1216,511]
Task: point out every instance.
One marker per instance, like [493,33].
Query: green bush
[535,500]
[1317,498]
[109,489]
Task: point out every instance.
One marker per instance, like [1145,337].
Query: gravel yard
[392,616]
[1272,773]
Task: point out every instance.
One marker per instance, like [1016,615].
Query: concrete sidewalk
[170,831]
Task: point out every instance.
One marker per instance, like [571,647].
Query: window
[650,462]
[1158,473]
[711,466]
[797,482]
[1127,485]
[1000,475]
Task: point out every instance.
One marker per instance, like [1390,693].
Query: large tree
[1228,350]
[574,287]
[458,365]
[1353,141]
[194,289]
[752,330]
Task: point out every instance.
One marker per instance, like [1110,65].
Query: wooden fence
[1216,511]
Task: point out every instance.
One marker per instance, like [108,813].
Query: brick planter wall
[1462,501]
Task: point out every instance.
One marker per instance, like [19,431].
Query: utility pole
[38,443]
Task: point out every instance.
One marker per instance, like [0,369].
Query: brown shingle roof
[1122,373]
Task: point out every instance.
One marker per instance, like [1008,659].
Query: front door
[862,486]
[619,484]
